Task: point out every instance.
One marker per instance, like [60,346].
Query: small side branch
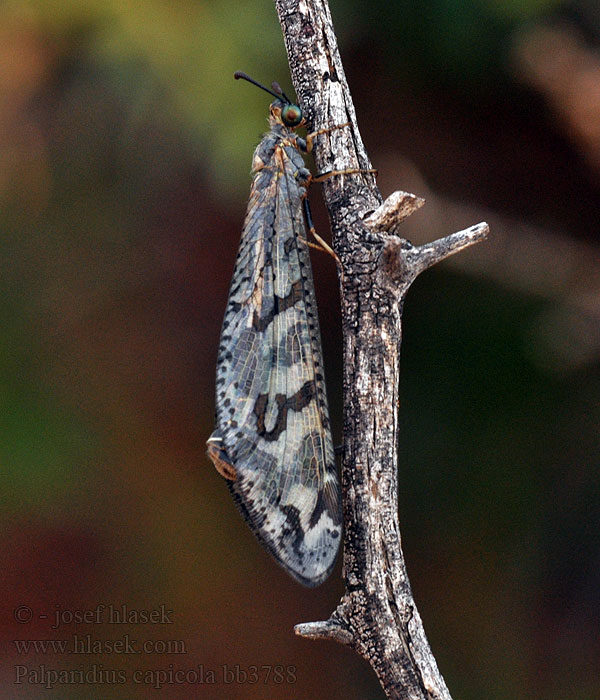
[377,615]
[397,207]
[329,629]
[401,262]
[432,253]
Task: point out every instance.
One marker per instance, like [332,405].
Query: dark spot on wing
[296,402]
[292,530]
[280,304]
[326,502]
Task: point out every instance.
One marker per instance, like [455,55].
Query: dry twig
[377,615]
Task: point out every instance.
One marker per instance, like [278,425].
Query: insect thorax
[264,153]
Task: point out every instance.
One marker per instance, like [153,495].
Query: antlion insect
[272,440]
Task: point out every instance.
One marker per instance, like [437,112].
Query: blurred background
[125,150]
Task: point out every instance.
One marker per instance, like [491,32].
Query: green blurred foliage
[462,42]
[177,57]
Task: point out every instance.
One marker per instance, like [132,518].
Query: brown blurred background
[125,149]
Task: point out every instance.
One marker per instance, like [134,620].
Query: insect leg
[350,171]
[307,147]
[310,137]
[322,245]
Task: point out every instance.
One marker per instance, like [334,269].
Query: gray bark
[377,615]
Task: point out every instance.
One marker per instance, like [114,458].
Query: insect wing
[273,429]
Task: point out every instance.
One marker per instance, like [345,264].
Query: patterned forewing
[272,413]
[244,356]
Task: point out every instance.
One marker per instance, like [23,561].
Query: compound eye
[291,115]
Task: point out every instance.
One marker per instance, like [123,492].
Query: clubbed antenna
[277,88]
[276,91]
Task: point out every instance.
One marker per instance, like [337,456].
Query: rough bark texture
[377,615]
